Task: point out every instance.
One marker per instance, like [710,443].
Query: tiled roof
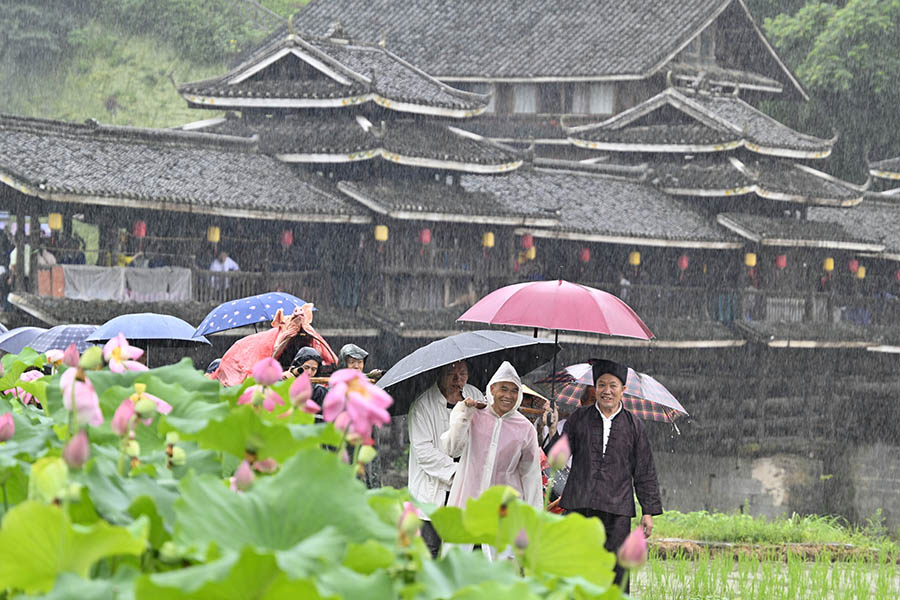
[772,231]
[413,199]
[887,169]
[160,169]
[715,123]
[718,76]
[361,68]
[307,140]
[781,334]
[604,208]
[522,38]
[769,178]
[871,219]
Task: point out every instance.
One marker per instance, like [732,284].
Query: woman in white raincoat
[497,445]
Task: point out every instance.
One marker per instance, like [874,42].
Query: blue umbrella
[148,326]
[59,338]
[247,311]
[15,340]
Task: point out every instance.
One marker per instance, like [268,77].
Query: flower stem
[549,488]
[5,499]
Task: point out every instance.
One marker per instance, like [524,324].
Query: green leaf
[320,550]
[72,587]
[491,590]
[570,546]
[368,557]
[311,491]
[38,542]
[459,568]
[344,583]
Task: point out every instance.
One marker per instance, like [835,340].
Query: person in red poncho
[238,361]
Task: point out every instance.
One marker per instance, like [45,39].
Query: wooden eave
[413,161]
[628,239]
[752,236]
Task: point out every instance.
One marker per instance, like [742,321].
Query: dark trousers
[431,538]
[617,529]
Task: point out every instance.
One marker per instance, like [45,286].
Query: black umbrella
[482,350]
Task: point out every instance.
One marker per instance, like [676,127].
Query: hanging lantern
[781,261]
[853,265]
[55,221]
[425,236]
[861,272]
[750,259]
[828,265]
[381,233]
[287,238]
[487,240]
[634,258]
[213,234]
[531,253]
[585,255]
[897,275]
[683,262]
[527,241]
[139,229]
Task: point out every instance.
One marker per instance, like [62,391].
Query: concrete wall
[874,477]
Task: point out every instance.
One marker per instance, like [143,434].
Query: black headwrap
[304,354]
[601,366]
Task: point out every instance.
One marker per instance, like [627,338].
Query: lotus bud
[145,408]
[71,358]
[366,455]
[521,541]
[243,477]
[311,407]
[172,437]
[301,390]
[77,451]
[121,421]
[266,466]
[179,457]
[92,358]
[133,448]
[267,371]
[559,454]
[7,427]
[633,551]
[410,521]
[168,552]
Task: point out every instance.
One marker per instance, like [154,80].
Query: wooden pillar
[34,237]
[19,283]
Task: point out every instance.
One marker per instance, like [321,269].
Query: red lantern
[897,275]
[139,229]
[425,236]
[527,241]
[853,265]
[585,255]
[683,262]
[781,261]
[287,238]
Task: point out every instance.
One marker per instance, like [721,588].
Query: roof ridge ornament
[336,32]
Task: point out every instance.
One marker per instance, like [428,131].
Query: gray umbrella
[483,351]
[14,340]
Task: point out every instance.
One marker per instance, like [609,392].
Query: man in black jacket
[611,461]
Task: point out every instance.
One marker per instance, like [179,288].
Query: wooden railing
[312,286]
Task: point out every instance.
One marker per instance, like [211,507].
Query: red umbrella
[556,305]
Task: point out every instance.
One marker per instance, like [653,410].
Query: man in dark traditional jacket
[611,461]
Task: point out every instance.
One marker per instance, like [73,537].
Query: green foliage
[136,526]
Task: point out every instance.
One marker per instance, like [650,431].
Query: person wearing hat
[611,461]
[309,360]
[354,357]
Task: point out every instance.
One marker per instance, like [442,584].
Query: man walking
[431,471]
[611,461]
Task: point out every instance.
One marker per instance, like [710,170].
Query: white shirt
[227,265]
[607,423]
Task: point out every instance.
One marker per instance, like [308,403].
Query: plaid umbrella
[644,395]
[59,338]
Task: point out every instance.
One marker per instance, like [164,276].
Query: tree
[846,56]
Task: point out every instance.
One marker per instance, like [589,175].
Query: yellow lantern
[381,233]
[531,253]
[487,240]
[213,234]
[829,264]
[634,258]
[750,259]
[861,272]
[55,221]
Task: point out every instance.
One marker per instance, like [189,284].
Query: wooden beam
[19,282]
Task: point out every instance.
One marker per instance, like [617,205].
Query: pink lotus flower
[22,395]
[633,551]
[268,465]
[410,519]
[267,371]
[79,395]
[243,478]
[140,393]
[301,390]
[71,358]
[521,541]
[77,451]
[559,454]
[54,357]
[364,405]
[122,419]
[7,427]
[121,356]
[257,395]
[311,407]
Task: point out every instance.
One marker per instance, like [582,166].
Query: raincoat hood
[351,351]
[506,372]
[306,353]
